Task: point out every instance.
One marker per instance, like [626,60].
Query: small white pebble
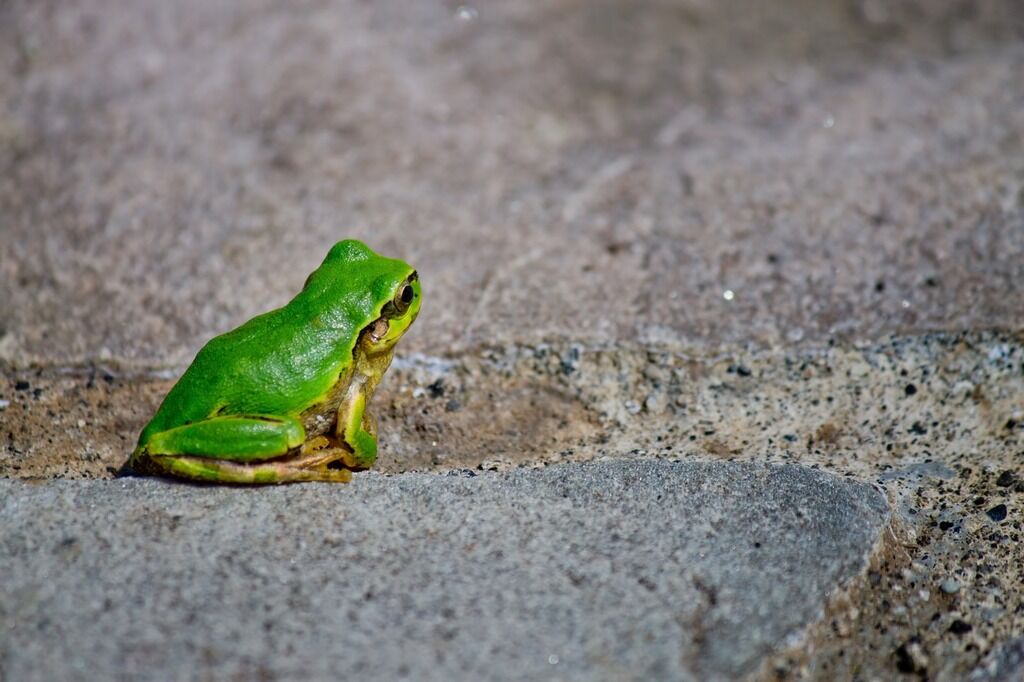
[1000,352]
[950,586]
[81,423]
[656,403]
[552,659]
[4,403]
[728,294]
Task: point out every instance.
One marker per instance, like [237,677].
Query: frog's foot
[353,461]
[331,456]
[316,443]
[319,453]
[223,471]
[323,452]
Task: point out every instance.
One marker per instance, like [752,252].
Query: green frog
[284,397]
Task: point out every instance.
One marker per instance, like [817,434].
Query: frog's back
[253,370]
[285,360]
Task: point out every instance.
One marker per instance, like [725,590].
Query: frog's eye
[406,294]
[403,298]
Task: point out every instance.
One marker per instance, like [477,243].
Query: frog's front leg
[356,428]
[233,449]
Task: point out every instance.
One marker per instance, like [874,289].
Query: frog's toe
[335,475]
[315,443]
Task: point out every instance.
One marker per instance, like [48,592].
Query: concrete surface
[609,570]
[1003,665]
[787,232]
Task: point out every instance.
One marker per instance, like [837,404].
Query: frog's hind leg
[237,449]
[223,471]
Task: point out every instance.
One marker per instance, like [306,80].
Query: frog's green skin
[283,397]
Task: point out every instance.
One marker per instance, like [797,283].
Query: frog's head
[395,317]
[379,297]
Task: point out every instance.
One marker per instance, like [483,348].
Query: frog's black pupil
[406,294]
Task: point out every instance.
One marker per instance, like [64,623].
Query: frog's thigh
[237,438]
[351,418]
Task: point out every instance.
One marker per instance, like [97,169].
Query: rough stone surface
[569,572]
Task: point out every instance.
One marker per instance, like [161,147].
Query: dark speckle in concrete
[997,513]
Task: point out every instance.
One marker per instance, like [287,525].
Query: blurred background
[686,174]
